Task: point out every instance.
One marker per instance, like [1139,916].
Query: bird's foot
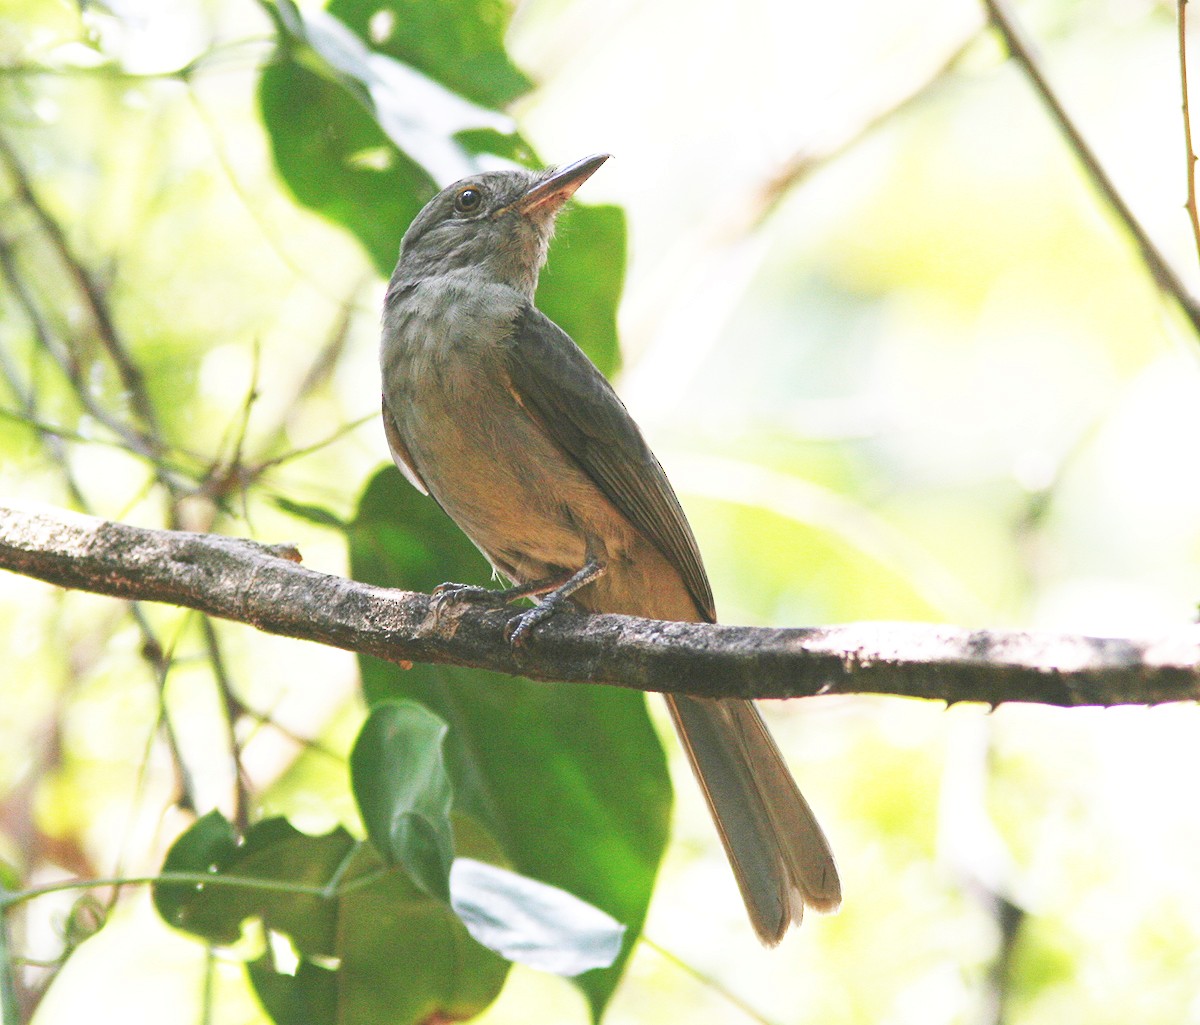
[449,594]
[553,594]
[517,629]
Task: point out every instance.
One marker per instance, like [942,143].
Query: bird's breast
[487,461]
[497,472]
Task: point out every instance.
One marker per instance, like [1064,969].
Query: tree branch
[1022,50]
[264,587]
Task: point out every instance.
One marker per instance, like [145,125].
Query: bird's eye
[467,201]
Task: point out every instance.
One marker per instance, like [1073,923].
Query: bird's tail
[779,855]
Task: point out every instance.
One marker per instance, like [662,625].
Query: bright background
[931,381]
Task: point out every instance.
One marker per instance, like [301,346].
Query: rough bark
[265,587]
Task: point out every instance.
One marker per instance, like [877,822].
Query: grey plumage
[494,411]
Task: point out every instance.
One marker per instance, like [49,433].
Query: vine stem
[1020,47]
[1193,214]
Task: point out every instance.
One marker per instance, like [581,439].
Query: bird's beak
[548,195]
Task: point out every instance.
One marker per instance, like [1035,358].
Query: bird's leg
[450,593]
[552,600]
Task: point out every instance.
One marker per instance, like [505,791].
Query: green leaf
[571,780]
[406,957]
[398,775]
[509,147]
[307,998]
[459,43]
[580,286]
[317,514]
[273,852]
[10,876]
[318,131]
[361,136]
[210,843]
[399,779]
[373,947]
[417,113]
[538,925]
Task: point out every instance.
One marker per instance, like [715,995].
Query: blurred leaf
[357,135]
[273,851]
[571,780]
[1043,959]
[316,129]
[419,114]
[510,147]
[459,43]
[399,778]
[307,998]
[398,775]
[406,957]
[365,140]
[580,286]
[319,515]
[527,921]
[401,956]
[205,847]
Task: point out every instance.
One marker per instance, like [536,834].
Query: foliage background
[925,379]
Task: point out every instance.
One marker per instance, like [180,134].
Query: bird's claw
[518,629]
[448,594]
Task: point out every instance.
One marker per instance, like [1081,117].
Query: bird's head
[498,223]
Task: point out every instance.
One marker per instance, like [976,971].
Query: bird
[494,411]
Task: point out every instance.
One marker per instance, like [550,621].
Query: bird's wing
[400,454]
[557,383]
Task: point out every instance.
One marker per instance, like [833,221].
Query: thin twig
[1022,50]
[160,660]
[231,707]
[708,982]
[218,880]
[1193,215]
[14,898]
[255,208]
[805,163]
[27,416]
[53,439]
[309,745]
[128,371]
[134,440]
[316,446]
[229,476]
[239,428]
[10,1004]
[183,779]
[144,442]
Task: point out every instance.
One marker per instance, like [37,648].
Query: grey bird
[493,410]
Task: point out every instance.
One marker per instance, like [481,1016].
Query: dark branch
[263,586]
